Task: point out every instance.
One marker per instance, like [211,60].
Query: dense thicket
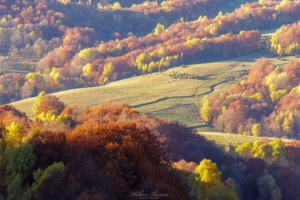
[109,151]
[265,104]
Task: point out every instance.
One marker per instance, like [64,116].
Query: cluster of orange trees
[94,42]
[286,40]
[110,152]
[264,104]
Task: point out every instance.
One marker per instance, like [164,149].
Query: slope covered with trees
[114,152]
[264,104]
[109,152]
[286,40]
[95,42]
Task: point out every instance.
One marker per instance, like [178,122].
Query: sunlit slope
[175,94]
[233,140]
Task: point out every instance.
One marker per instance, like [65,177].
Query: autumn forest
[107,151]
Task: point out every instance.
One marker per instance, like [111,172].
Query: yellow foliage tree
[256,97]
[291,48]
[192,42]
[34,77]
[65,1]
[159,28]
[116,6]
[87,69]
[32,34]
[14,134]
[54,74]
[278,151]
[256,129]
[37,101]
[245,149]
[50,116]
[107,71]
[161,52]
[208,173]
[88,54]
[280,50]
[256,149]
[205,111]
[276,95]
[259,150]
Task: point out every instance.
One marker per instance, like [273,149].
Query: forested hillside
[286,40]
[264,104]
[112,152]
[109,152]
[94,42]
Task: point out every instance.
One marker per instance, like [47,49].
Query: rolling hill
[175,94]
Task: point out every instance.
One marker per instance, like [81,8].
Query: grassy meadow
[175,94]
[229,142]
[232,140]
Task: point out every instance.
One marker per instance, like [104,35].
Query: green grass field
[161,95]
[232,140]
[228,142]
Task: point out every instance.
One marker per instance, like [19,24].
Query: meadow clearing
[175,94]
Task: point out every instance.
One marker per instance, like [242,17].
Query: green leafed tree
[41,175]
[268,190]
[141,60]
[273,152]
[245,149]
[15,188]
[21,160]
[194,187]
[221,192]
[260,150]
[278,151]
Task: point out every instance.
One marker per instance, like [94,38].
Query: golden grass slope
[161,95]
